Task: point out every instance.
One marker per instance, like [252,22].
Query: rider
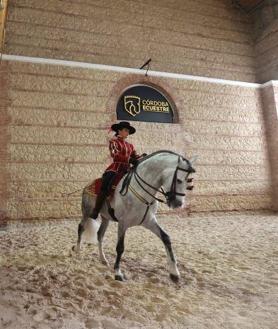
[123,154]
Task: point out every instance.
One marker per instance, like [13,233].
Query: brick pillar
[270,111]
[4,142]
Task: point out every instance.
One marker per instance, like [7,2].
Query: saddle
[94,187]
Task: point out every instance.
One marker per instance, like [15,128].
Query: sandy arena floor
[228,263]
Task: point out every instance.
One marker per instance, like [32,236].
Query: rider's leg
[98,205]
[107,181]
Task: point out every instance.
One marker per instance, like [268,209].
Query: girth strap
[148,204]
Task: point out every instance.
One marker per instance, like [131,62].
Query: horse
[135,202]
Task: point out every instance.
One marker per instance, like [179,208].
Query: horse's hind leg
[158,231]
[100,235]
[81,229]
[87,207]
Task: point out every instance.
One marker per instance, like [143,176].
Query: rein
[168,195]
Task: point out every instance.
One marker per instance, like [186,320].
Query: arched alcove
[157,87]
[146,102]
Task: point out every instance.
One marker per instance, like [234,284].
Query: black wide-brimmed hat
[123,124]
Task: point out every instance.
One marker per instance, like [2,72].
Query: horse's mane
[158,152]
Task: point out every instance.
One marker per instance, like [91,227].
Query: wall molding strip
[59,62]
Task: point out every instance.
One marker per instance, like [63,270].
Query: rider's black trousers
[108,179]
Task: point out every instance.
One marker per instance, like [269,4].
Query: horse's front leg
[172,263]
[120,249]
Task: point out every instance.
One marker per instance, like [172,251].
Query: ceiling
[248,5]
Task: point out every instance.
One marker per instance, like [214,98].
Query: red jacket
[121,152]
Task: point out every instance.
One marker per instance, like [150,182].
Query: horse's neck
[152,169]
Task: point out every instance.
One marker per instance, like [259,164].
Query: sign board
[144,103]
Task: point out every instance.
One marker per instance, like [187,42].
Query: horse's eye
[179,181]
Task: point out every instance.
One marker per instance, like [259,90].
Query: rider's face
[123,133]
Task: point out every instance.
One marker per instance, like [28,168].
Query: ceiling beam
[248,6]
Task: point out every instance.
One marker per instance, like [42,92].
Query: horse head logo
[132,105]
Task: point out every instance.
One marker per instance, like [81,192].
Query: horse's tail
[90,225]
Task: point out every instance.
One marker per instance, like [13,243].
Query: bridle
[169,195]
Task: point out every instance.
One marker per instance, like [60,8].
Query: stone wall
[54,119]
[205,38]
[265,19]
[4,142]
[270,101]
[267,53]
[58,131]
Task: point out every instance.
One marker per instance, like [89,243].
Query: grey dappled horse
[135,202]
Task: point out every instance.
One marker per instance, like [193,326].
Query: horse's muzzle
[175,203]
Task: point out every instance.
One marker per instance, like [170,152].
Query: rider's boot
[99,202]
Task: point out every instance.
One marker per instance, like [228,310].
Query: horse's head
[176,182]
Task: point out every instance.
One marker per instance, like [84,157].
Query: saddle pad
[94,187]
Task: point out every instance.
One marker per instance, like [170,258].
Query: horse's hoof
[75,249]
[119,277]
[174,278]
